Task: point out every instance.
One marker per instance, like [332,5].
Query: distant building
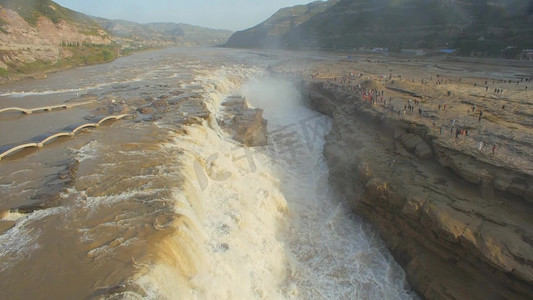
[378,49]
[527,54]
[447,51]
[415,52]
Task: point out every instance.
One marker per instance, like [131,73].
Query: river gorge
[240,174]
[166,203]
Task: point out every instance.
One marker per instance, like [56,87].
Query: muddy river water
[155,206]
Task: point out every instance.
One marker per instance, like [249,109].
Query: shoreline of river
[454,238]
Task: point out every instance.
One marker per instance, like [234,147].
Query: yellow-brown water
[162,208]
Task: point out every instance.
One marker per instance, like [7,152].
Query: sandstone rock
[161,103]
[145,110]
[116,109]
[413,207]
[455,240]
[246,125]
[445,221]
[335,154]
[502,184]
[471,233]
[528,193]
[517,188]
[423,151]
[411,141]
[460,164]
[494,241]
[399,133]
[397,199]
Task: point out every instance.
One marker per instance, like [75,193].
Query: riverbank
[80,56]
[449,191]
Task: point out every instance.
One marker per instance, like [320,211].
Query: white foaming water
[242,223]
[331,254]
[89,88]
[236,213]
[19,241]
[265,225]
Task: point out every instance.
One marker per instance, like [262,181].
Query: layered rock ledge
[246,125]
[457,220]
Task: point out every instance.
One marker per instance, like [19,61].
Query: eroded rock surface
[246,125]
[460,226]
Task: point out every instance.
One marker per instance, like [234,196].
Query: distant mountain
[164,34]
[270,33]
[40,35]
[473,27]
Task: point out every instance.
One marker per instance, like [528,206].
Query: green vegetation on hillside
[126,37]
[88,54]
[4,73]
[2,23]
[79,56]
[32,10]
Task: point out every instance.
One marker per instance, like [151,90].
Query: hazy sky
[219,14]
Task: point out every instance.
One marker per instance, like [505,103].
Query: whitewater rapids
[164,211]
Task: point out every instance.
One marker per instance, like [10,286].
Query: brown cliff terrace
[446,95]
[438,154]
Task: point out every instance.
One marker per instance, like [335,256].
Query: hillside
[270,33]
[473,27]
[33,10]
[37,36]
[163,34]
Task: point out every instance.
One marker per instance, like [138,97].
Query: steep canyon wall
[459,226]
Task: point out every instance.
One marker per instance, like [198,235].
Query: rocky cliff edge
[459,225]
